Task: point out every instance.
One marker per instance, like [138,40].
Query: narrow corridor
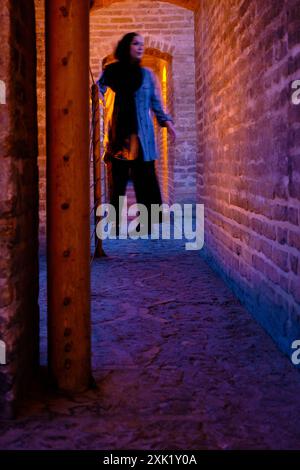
[178,362]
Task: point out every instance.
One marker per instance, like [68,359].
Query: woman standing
[131,146]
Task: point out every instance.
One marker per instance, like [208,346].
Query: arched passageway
[248,177]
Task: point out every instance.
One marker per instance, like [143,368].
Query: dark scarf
[124,79]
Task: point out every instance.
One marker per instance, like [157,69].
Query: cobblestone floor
[178,362]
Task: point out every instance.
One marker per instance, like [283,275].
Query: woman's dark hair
[122,51]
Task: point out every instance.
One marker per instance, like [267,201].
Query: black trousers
[145,182]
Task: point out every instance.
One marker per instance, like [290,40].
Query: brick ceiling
[190,4]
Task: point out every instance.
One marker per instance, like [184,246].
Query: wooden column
[68,206]
[99,252]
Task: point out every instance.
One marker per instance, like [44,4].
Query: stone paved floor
[178,362]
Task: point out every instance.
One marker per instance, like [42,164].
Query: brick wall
[18,202]
[191,4]
[247,55]
[41,93]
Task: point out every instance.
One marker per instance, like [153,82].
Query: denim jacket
[147,98]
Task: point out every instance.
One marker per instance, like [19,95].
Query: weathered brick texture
[41,93]
[18,202]
[190,4]
[248,175]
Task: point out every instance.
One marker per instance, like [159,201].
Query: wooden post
[96,164]
[68,205]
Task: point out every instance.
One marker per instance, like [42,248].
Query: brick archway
[174,38]
[189,4]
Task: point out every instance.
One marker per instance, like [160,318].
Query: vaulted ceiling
[189,4]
